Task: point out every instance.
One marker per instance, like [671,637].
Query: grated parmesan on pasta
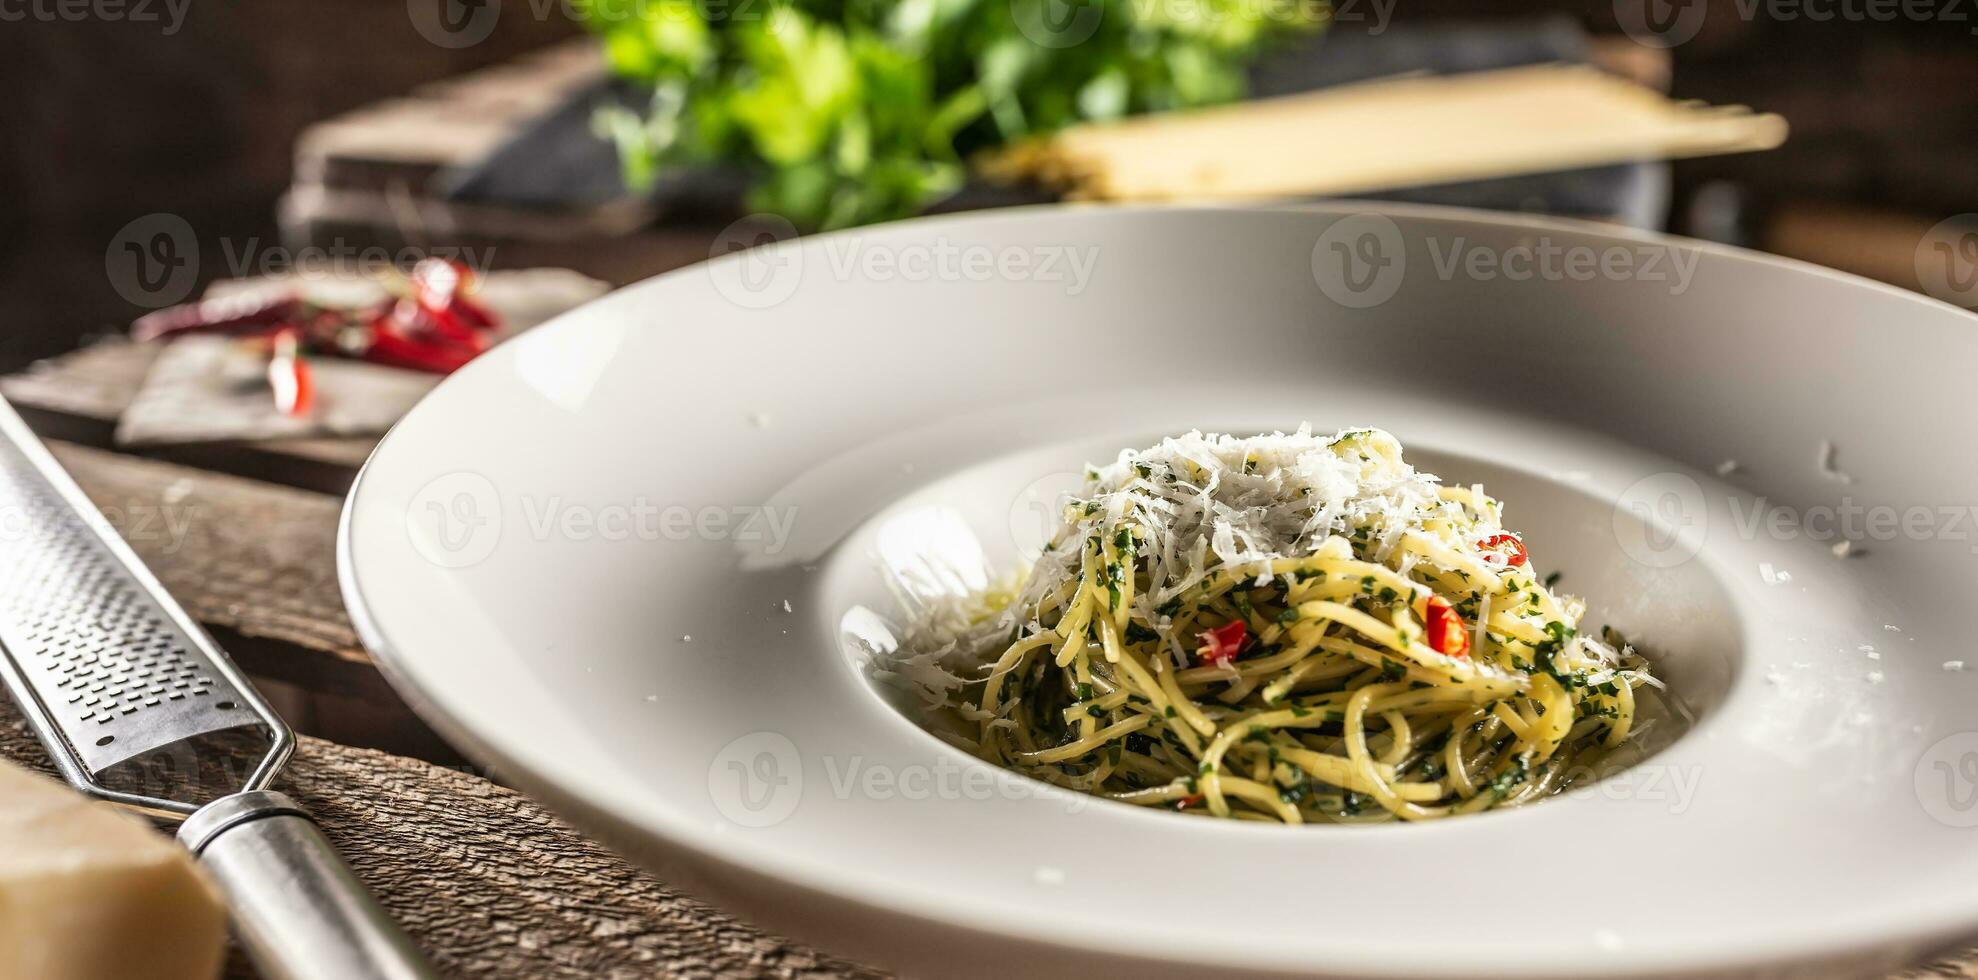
[1285,627]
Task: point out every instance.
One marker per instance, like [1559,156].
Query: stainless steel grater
[137,706]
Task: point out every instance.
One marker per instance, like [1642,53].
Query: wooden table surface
[487,882]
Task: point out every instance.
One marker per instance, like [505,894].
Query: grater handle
[297,908]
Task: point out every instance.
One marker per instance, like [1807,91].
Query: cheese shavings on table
[89,893]
[1406,132]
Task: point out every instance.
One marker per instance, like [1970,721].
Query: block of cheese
[91,893]
[1411,131]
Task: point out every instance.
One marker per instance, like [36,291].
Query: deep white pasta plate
[638,559]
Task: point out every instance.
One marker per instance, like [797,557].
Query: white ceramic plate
[737,452]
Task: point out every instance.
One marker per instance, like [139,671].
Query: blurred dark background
[107,121]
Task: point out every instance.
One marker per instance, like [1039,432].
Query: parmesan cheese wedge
[89,893]
[1401,132]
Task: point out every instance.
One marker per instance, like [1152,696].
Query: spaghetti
[1288,628]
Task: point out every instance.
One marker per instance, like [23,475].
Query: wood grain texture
[491,885]
[95,382]
[246,556]
[255,564]
[79,397]
[372,166]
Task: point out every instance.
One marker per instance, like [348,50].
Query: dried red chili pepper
[242,313]
[476,315]
[435,327]
[382,345]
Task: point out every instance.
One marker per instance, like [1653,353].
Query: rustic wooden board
[78,397]
[255,564]
[491,885]
[402,142]
[249,557]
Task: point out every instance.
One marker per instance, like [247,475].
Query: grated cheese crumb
[1827,467]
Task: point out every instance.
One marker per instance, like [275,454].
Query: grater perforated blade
[136,705]
[106,665]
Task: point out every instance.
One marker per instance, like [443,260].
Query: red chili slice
[1219,646]
[1507,545]
[1192,799]
[1447,634]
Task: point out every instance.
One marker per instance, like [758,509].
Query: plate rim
[1901,923]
